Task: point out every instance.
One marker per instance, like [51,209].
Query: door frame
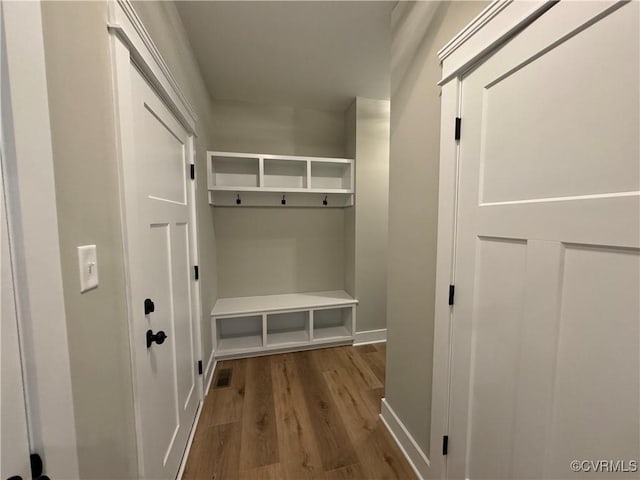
[494,26]
[131,42]
[12,404]
[33,234]
[10,347]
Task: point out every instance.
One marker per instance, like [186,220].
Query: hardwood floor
[298,416]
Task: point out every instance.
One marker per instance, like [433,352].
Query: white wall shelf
[247,179]
[246,326]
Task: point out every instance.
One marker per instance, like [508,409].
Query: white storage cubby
[233,172]
[285,174]
[331,176]
[245,179]
[331,323]
[286,328]
[239,333]
[246,326]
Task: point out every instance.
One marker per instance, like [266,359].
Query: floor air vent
[224,378]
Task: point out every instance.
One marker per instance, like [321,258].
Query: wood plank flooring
[298,416]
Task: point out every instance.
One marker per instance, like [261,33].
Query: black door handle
[149,306]
[159,337]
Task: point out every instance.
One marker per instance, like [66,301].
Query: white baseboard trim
[370,336]
[208,378]
[414,454]
[185,455]
[208,372]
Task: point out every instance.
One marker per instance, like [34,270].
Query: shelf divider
[261,172]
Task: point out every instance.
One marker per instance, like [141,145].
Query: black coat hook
[238,201]
[325,202]
[283,201]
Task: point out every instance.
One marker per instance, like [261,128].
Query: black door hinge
[199,367]
[458,128]
[196,272]
[193,171]
[445,444]
[452,293]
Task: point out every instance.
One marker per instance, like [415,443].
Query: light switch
[88,263]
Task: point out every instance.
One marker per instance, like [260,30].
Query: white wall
[83,140]
[262,251]
[366,224]
[420,29]
[350,212]
[257,128]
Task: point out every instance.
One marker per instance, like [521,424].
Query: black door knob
[149,306]
[159,337]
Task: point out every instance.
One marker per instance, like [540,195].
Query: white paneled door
[546,324]
[162,280]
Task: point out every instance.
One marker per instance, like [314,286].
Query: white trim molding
[126,24]
[491,28]
[470,29]
[370,336]
[447,205]
[209,371]
[405,441]
[192,434]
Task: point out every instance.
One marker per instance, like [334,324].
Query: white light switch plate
[88,263]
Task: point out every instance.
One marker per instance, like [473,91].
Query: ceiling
[299,53]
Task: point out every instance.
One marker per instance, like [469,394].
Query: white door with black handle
[162,280]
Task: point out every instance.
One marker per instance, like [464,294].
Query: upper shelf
[247,179]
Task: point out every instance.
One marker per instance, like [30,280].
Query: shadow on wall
[265,251]
[415,51]
[255,128]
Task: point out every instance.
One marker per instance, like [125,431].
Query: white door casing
[156,129]
[36,302]
[545,338]
[14,437]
